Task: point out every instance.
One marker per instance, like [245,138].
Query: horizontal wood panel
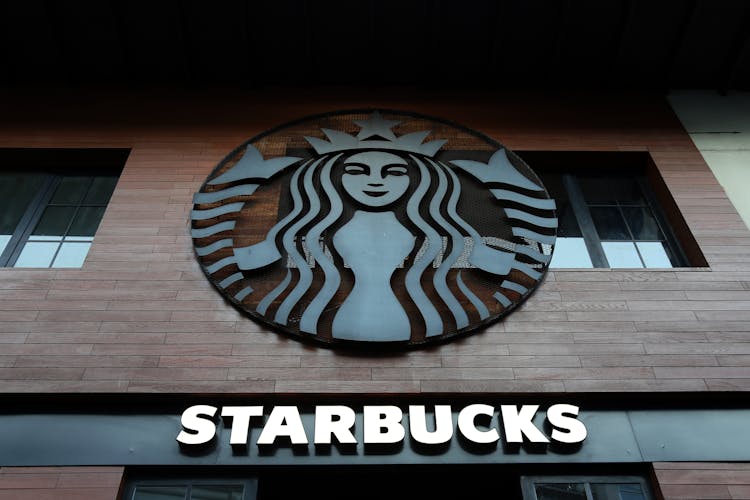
[703,480]
[141,317]
[60,483]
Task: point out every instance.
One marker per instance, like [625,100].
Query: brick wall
[682,481]
[141,317]
[60,483]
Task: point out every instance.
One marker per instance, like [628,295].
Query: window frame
[29,220]
[528,483]
[582,212]
[54,164]
[679,239]
[249,485]
[23,232]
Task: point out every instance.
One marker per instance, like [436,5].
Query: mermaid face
[375,178]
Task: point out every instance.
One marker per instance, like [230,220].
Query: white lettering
[203,429]
[443,425]
[478,423]
[241,421]
[518,424]
[283,421]
[326,426]
[467,424]
[572,430]
[383,424]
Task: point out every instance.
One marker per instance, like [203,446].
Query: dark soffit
[618,44]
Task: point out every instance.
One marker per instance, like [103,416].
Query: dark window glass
[561,491]
[54,221]
[100,191]
[609,223]
[216,492]
[70,191]
[585,488]
[611,190]
[86,221]
[49,220]
[17,191]
[614,491]
[567,223]
[193,490]
[642,223]
[160,493]
[609,220]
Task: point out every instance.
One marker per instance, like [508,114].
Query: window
[219,489]
[608,213]
[585,488]
[48,216]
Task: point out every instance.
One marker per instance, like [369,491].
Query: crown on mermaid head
[375,133]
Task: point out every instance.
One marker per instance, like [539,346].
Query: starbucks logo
[373,226]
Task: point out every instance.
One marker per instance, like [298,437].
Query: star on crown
[375,133]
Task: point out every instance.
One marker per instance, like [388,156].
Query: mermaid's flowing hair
[318,210]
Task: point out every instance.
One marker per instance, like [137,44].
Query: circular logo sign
[375,227]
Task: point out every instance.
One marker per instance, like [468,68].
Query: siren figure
[370,205]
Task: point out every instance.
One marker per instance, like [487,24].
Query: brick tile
[693,326]
[58,326]
[155,374]
[105,316]
[40,373]
[740,492]
[87,361]
[13,338]
[207,315]
[654,360]
[95,479]
[114,294]
[609,373]
[574,349]
[269,361]
[204,387]
[743,466]
[326,359]
[309,374]
[16,283]
[170,305]
[167,326]
[704,476]
[492,337]
[731,384]
[54,386]
[640,337]
[706,348]
[688,305]
[442,373]
[347,387]
[161,349]
[720,372]
[53,305]
[650,315]
[478,361]
[9,481]
[96,338]
[642,385]
[571,326]
[60,494]
[490,386]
